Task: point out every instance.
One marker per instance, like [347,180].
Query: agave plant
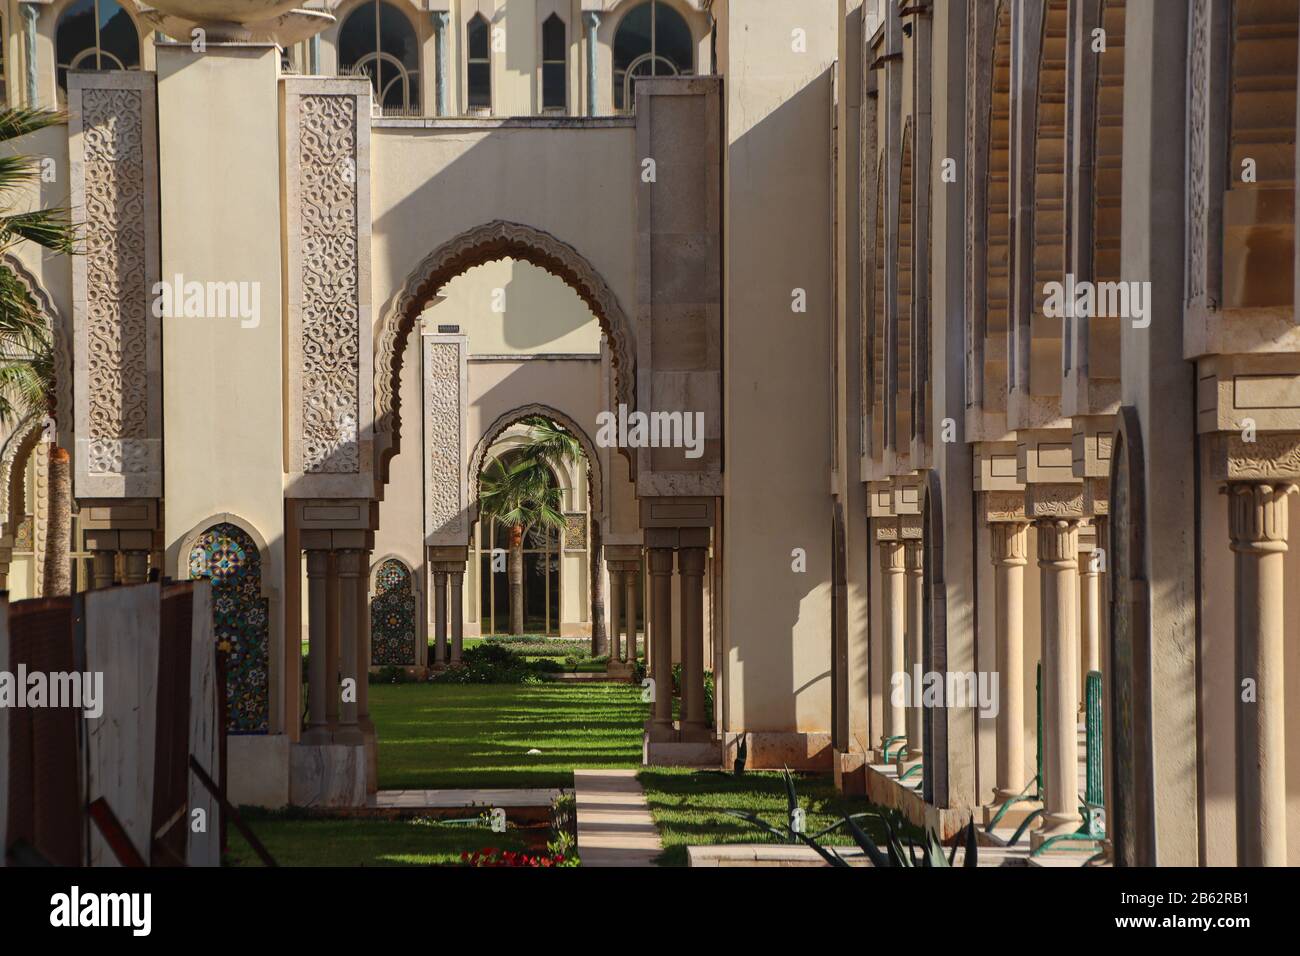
[901,849]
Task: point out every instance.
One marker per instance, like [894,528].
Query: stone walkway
[614,823]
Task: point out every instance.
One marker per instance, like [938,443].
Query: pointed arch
[487,243]
[478,459]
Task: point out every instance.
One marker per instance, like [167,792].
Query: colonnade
[338,634]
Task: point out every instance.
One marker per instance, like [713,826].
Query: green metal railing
[1093,830]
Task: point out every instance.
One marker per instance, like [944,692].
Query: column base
[850,773]
[660,732]
[317,736]
[618,669]
[1015,815]
[350,736]
[681,753]
[1054,826]
[693,732]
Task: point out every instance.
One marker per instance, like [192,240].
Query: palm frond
[24,120]
[50,228]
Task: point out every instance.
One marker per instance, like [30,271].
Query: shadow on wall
[778,620]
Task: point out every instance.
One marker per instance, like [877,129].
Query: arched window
[95,35]
[479,66]
[652,40]
[378,40]
[554,75]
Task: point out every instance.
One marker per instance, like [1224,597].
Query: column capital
[891,556]
[1257,515]
[1010,543]
[914,556]
[1058,543]
[660,561]
[349,562]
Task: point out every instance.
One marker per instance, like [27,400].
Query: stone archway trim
[59,340]
[495,240]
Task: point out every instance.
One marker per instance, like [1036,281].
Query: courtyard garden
[506,721]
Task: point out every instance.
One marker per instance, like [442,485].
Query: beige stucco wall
[220,221]
[776,488]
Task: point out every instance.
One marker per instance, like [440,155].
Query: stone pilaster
[691,562]
[350,570]
[914,588]
[893,604]
[1257,515]
[661,616]
[317,731]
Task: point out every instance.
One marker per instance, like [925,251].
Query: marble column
[135,567]
[661,609]
[893,603]
[1257,516]
[1058,562]
[441,19]
[318,689]
[348,562]
[1010,555]
[615,614]
[592,22]
[914,578]
[690,565]
[457,617]
[629,608]
[332,642]
[363,646]
[439,619]
[1089,643]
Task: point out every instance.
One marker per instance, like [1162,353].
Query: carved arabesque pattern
[116,285]
[331,313]
[488,243]
[443,437]
[1198,150]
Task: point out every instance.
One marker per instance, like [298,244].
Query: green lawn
[690,807]
[479,735]
[293,840]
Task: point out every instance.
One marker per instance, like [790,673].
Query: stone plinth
[327,775]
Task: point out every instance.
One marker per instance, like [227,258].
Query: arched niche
[1131,820]
[934,640]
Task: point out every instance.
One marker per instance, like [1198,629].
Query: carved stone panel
[445,385]
[330,341]
[113,148]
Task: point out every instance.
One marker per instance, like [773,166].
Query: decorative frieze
[445,387]
[116,336]
[330,352]
[1004,506]
[1271,456]
[1054,501]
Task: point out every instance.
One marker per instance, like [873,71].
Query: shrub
[492,663]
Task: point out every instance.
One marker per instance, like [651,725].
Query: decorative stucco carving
[330,341]
[1051,500]
[487,243]
[14,454]
[443,436]
[1257,515]
[331,331]
[1198,149]
[1270,457]
[1004,506]
[116,336]
[493,432]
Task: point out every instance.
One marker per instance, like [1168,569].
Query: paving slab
[614,823]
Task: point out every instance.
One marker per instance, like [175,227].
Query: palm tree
[518,491]
[27,367]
